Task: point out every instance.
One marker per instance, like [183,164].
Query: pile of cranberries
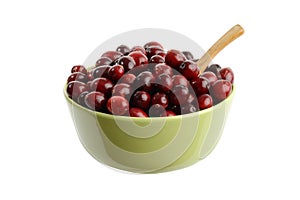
[147,80]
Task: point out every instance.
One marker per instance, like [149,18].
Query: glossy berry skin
[188,55]
[127,62]
[175,109]
[103,85]
[174,58]
[189,108]
[189,69]
[215,68]
[138,48]
[210,76]
[75,88]
[103,61]
[157,110]
[220,90]
[141,99]
[180,95]
[164,82]
[121,89]
[78,76]
[170,113]
[153,43]
[154,50]
[200,85]
[139,58]
[160,98]
[205,101]
[156,59]
[192,97]
[127,78]
[137,112]
[115,72]
[179,80]
[162,69]
[144,81]
[81,98]
[227,74]
[95,100]
[117,105]
[123,49]
[113,55]
[101,71]
[79,68]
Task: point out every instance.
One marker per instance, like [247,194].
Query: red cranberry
[138,48]
[160,98]
[154,50]
[164,82]
[189,69]
[174,58]
[117,105]
[227,74]
[200,85]
[127,78]
[127,62]
[176,109]
[210,76]
[214,68]
[115,72]
[95,100]
[180,80]
[188,108]
[162,69]
[205,101]
[141,99]
[123,49]
[121,89]
[191,98]
[157,110]
[170,113]
[139,58]
[103,61]
[113,55]
[101,71]
[137,112]
[144,81]
[220,90]
[75,88]
[188,55]
[81,97]
[79,68]
[78,76]
[152,43]
[103,85]
[156,59]
[180,95]
[90,75]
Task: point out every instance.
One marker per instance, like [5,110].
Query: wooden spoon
[220,44]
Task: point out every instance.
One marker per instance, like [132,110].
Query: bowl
[154,144]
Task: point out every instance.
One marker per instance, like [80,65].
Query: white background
[40,154]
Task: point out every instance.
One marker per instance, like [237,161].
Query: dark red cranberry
[95,100]
[103,85]
[88,85]
[103,61]
[220,90]
[210,76]
[205,101]
[101,71]
[141,99]
[200,85]
[121,89]
[137,112]
[214,68]
[127,62]
[164,82]
[152,43]
[180,95]
[138,48]
[174,58]
[176,109]
[189,108]
[139,58]
[78,76]
[156,59]
[170,113]
[80,99]
[189,69]
[157,110]
[113,55]
[179,80]
[188,55]
[160,98]
[118,105]
[79,68]
[90,75]
[144,81]
[162,69]
[123,49]
[154,50]
[115,72]
[227,74]
[127,78]
[75,88]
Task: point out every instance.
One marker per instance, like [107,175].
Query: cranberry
[189,108]
[79,68]
[115,72]
[189,69]
[162,69]
[170,113]
[103,61]
[210,76]
[157,110]
[160,98]
[174,58]
[101,71]
[144,81]
[227,74]
[78,76]
[180,95]
[127,78]
[153,43]
[95,100]
[138,48]
[121,89]
[188,55]
[127,62]
[81,97]
[220,90]
[113,55]
[154,50]
[176,109]
[200,85]
[191,98]
[139,58]
[137,112]
[117,105]
[123,49]
[180,80]
[164,82]
[103,85]
[205,101]
[214,68]
[156,59]
[141,99]
[75,88]
[90,75]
